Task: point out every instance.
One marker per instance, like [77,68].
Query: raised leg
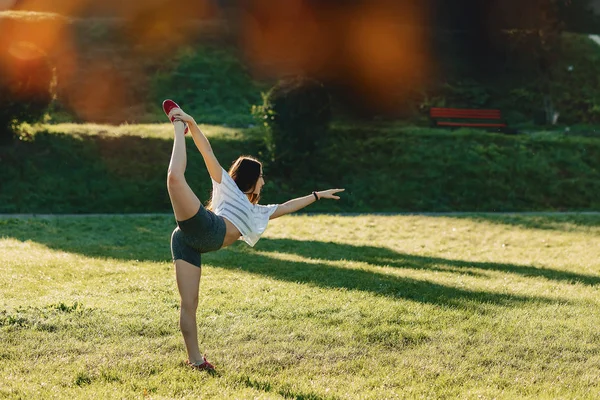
[185,203]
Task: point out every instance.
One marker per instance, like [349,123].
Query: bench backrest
[464,113]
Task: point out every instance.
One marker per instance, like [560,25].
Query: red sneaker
[168,106]
[201,365]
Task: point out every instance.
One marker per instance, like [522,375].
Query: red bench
[474,118]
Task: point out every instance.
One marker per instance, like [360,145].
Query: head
[247,173]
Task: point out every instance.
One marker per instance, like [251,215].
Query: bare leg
[185,203]
[188,283]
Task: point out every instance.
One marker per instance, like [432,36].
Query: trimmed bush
[396,170]
[297,113]
[387,170]
[25,90]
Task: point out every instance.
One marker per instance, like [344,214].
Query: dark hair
[245,171]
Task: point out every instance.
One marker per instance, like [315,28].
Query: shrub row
[398,170]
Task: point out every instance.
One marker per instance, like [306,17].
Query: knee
[189,306]
[175,178]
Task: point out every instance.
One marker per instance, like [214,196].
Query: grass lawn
[324,307]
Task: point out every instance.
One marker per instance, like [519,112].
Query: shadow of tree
[125,237]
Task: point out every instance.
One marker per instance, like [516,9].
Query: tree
[25,88]
[297,113]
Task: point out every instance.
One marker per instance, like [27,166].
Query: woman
[233,213]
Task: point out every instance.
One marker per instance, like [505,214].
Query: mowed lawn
[324,307]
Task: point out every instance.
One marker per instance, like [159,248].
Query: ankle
[196,360]
[179,125]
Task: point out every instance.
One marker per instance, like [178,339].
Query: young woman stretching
[233,213]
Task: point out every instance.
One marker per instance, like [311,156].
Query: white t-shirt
[229,202]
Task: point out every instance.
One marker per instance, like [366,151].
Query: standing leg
[185,203]
[188,282]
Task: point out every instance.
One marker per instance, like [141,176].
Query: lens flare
[26,42]
[7,4]
[283,37]
[376,48]
[386,51]
[100,95]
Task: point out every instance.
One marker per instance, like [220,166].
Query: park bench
[468,117]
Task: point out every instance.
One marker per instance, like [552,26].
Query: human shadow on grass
[326,276]
[380,256]
[146,239]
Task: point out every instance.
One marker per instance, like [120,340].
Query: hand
[329,194]
[178,113]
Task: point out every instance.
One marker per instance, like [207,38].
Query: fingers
[332,192]
[178,113]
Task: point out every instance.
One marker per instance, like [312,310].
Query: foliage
[109,170]
[574,86]
[466,93]
[512,83]
[210,83]
[296,113]
[496,35]
[25,90]
[412,169]
[383,170]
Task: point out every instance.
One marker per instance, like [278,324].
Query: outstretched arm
[202,143]
[301,202]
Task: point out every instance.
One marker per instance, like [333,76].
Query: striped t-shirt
[228,201]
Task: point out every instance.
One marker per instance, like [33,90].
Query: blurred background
[383,57]
[294,73]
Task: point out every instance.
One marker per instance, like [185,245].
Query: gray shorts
[202,233]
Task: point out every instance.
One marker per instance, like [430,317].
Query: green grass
[324,307]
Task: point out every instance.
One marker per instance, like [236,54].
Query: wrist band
[316,196]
